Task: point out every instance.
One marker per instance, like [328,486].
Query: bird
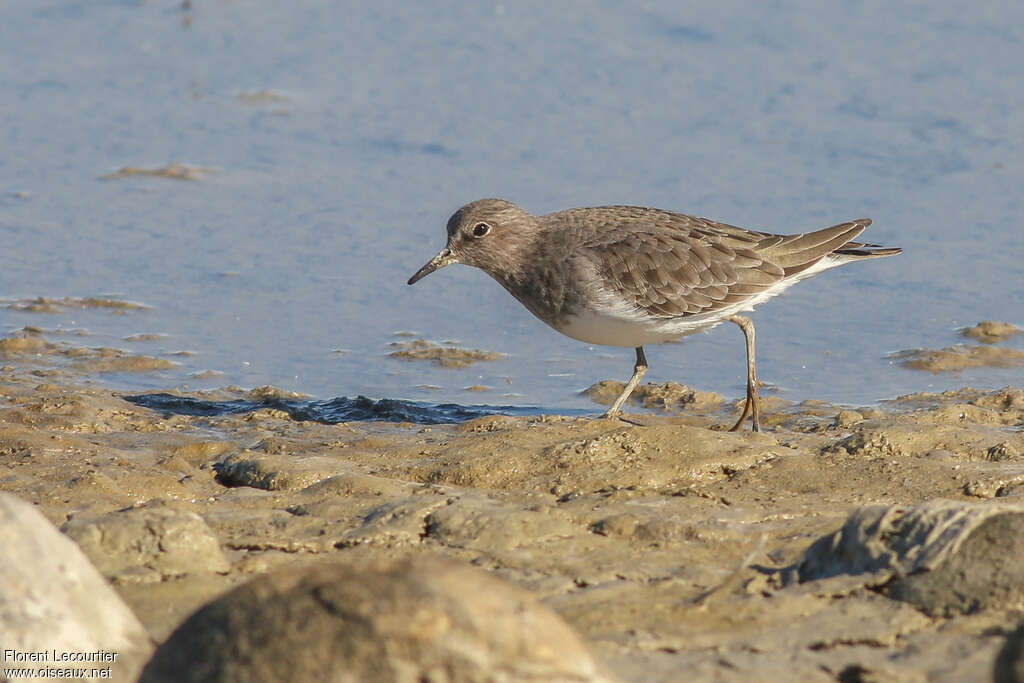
[629,276]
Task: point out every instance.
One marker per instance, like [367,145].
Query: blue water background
[287,266]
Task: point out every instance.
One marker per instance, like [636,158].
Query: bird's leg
[638,374]
[753,402]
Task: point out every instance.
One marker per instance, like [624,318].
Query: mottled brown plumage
[629,276]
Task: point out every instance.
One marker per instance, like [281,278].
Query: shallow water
[342,137]
[332,411]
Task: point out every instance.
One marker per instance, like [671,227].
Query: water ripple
[331,411]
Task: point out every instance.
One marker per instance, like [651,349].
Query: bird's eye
[481,229]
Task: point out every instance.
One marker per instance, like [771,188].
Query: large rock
[945,557]
[148,543]
[425,619]
[54,604]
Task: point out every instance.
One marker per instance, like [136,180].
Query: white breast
[610,321]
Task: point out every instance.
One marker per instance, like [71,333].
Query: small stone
[990,331]
[847,418]
[1004,450]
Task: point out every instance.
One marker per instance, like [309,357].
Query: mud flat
[841,543]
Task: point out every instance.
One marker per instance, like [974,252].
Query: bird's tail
[855,251]
[829,246]
[859,250]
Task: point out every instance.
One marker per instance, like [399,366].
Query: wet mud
[874,543]
[964,356]
[173,171]
[447,356]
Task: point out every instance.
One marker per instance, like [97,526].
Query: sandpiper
[629,275]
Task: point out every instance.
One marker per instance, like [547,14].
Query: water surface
[342,137]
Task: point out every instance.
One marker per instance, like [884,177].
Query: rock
[990,331]
[413,620]
[148,543]
[276,472]
[945,557]
[847,418]
[1004,450]
[53,602]
[416,620]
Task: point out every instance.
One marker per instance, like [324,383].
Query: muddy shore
[674,549]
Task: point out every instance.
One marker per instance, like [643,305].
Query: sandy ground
[672,547]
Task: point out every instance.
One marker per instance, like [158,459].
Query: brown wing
[673,265]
